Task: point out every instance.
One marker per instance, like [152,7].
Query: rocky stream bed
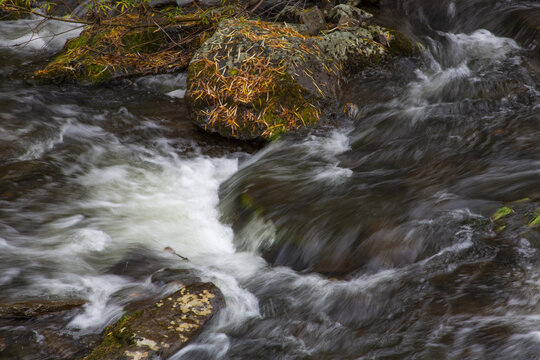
[270,180]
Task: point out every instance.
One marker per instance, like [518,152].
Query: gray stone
[161,3]
[182,3]
[343,14]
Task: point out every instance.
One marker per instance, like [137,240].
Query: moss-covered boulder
[257,80]
[163,328]
[103,52]
[139,41]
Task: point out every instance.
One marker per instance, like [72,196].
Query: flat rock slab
[162,328]
[35,308]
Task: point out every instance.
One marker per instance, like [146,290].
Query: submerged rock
[519,219]
[162,328]
[255,80]
[35,308]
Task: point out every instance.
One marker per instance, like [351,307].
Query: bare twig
[178,19]
[256,6]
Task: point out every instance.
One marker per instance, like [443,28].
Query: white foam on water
[36,149]
[215,348]
[480,44]
[335,144]
[8,275]
[333,174]
[329,148]
[532,335]
[99,311]
[84,240]
[226,272]
[177,94]
[171,85]
[160,201]
[172,204]
[457,65]
[429,84]
[66,222]
[451,9]
[35,34]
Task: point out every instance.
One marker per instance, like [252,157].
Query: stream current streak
[95,182]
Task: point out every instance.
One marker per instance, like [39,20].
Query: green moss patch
[520,218]
[535,222]
[143,41]
[399,44]
[117,337]
[501,213]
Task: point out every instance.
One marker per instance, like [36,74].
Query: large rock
[162,328]
[257,80]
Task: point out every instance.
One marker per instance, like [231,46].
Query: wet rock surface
[162,328]
[35,308]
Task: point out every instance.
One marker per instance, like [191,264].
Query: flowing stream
[368,240]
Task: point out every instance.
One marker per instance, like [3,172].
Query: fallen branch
[175,20]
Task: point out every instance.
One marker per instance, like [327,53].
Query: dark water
[369,240]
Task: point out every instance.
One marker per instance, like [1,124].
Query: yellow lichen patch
[197,304]
[185,327]
[151,344]
[136,355]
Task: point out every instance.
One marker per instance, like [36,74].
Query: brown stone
[313,18]
[162,328]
